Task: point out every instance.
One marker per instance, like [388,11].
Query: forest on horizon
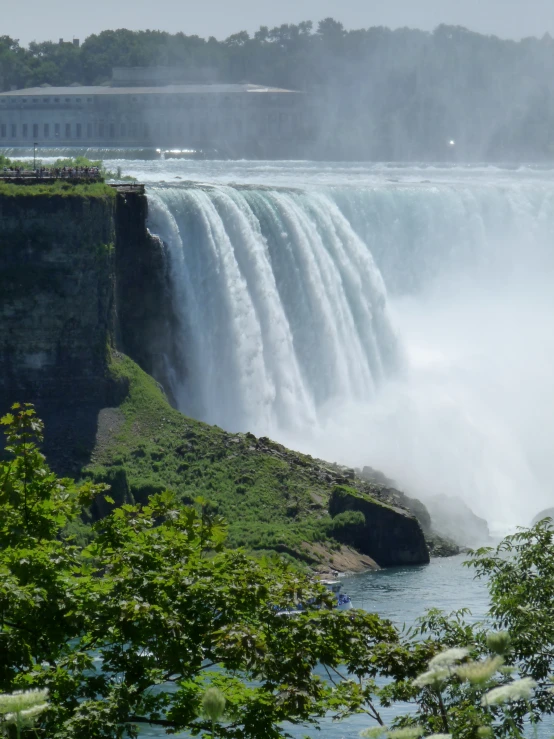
[378,94]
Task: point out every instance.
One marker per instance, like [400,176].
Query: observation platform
[30,178]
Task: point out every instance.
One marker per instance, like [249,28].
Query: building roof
[203,89]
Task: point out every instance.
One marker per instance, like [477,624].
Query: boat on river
[343,602]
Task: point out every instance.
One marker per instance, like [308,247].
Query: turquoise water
[401,594]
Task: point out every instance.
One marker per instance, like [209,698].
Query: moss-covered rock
[390,535]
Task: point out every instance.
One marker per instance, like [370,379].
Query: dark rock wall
[390,535]
[78,277]
[57,311]
[144,309]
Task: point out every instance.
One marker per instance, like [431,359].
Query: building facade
[230,119]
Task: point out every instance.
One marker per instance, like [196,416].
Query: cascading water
[281,295]
[281,302]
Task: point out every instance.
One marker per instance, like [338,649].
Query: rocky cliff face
[78,276]
[57,309]
[390,535]
[144,309]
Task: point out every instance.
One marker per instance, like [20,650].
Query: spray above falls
[404,327]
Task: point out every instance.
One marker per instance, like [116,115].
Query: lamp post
[35,155]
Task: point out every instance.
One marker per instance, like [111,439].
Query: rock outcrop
[79,276]
[388,534]
[57,312]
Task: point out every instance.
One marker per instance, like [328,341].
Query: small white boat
[343,601]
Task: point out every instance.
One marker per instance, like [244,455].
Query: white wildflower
[507,670]
[373,733]
[449,657]
[478,673]
[21,700]
[498,642]
[31,713]
[27,717]
[518,690]
[434,678]
[439,736]
[213,704]
[408,732]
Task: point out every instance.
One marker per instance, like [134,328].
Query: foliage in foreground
[155,622]
[134,627]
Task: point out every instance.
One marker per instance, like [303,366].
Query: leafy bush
[155,597]
[347,521]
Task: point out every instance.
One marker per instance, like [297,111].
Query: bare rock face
[57,312]
[79,275]
[453,518]
[145,317]
[388,534]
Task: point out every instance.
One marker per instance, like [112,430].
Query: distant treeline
[378,94]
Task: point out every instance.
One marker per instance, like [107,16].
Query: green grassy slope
[58,188]
[273,498]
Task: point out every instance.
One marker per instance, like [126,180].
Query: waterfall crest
[280,301]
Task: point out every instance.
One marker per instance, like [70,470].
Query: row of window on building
[133,130]
[104,130]
[34,101]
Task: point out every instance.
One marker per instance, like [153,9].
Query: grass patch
[274,499]
[58,188]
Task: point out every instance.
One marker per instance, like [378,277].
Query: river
[401,594]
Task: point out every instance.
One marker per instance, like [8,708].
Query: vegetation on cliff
[155,619]
[57,188]
[273,498]
[60,186]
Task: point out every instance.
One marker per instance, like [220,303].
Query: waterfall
[279,300]
[408,327]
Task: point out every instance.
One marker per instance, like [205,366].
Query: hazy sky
[40,20]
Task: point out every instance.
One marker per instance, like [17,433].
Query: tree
[38,610]
[133,628]
[520,575]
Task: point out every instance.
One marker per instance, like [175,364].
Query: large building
[154,107]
